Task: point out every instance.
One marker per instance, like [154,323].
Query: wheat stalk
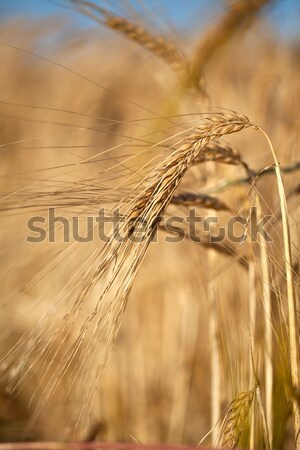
[268,341]
[252,327]
[293,323]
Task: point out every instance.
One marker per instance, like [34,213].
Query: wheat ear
[235,419]
[155,44]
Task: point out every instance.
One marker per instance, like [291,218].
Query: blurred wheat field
[150,342]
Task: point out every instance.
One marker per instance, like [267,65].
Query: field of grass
[149,228]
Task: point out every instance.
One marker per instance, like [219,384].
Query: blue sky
[285,15]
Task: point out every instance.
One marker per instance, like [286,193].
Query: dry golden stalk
[252,300]
[268,332]
[264,418]
[291,296]
[214,331]
[201,200]
[156,44]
